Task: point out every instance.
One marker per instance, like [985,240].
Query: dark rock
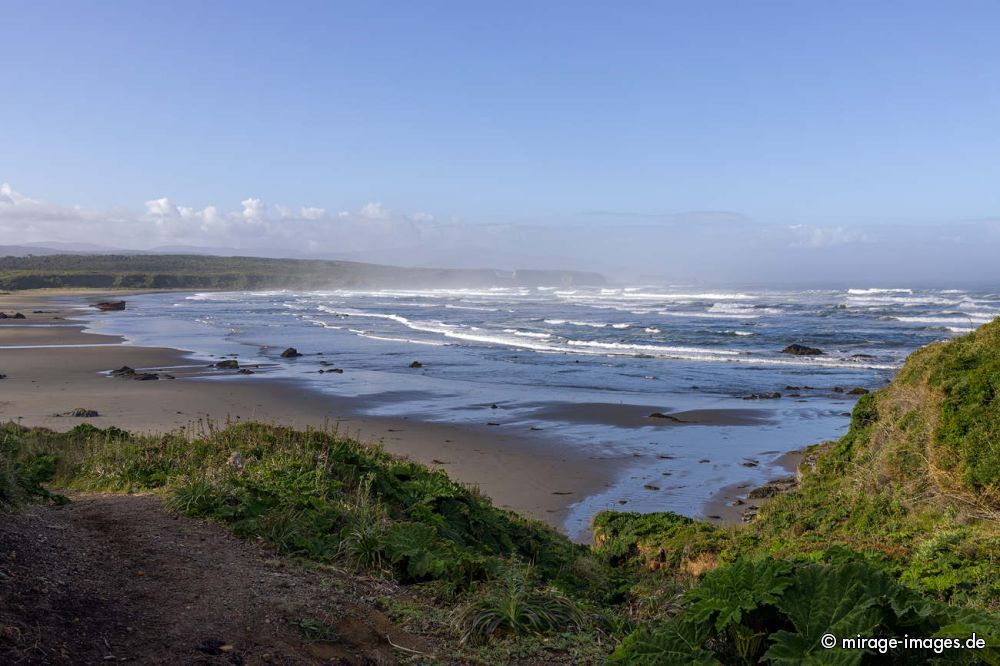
[773,488]
[837,389]
[245,371]
[291,352]
[145,376]
[80,412]
[110,306]
[338,371]
[3,315]
[228,365]
[762,396]
[416,364]
[704,460]
[801,350]
[857,390]
[18,315]
[750,463]
[3,376]
[494,406]
[650,486]
[863,356]
[123,371]
[667,417]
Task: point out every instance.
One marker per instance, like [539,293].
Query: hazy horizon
[718,144]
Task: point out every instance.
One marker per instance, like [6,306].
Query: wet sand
[728,506]
[643,416]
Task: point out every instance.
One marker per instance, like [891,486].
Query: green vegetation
[22,476]
[775,611]
[892,530]
[329,499]
[177,271]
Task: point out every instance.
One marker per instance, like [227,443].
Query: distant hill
[188,271]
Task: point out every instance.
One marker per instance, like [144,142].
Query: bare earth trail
[116,578]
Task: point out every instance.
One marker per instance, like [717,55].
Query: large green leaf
[724,595]
[415,550]
[676,643]
[966,622]
[842,600]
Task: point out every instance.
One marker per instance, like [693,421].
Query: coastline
[53,365]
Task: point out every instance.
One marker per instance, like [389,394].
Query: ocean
[563,360]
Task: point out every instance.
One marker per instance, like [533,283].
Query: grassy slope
[914,484]
[916,479]
[329,499]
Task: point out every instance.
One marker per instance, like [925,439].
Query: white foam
[704,296]
[451,306]
[561,322]
[708,315]
[879,291]
[970,319]
[372,336]
[528,334]
[900,300]
[649,349]
[740,308]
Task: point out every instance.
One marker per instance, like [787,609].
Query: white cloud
[309,213]
[807,236]
[730,249]
[254,210]
[374,210]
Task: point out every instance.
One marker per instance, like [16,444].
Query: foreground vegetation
[892,531]
[178,271]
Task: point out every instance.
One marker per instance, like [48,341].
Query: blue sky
[845,115]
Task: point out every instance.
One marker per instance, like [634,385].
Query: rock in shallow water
[801,350]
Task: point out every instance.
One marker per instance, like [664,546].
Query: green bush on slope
[754,611]
[908,496]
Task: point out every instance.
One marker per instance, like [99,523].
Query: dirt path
[116,578]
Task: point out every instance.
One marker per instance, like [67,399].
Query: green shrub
[758,610]
[514,606]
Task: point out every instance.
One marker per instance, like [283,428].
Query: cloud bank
[702,246]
